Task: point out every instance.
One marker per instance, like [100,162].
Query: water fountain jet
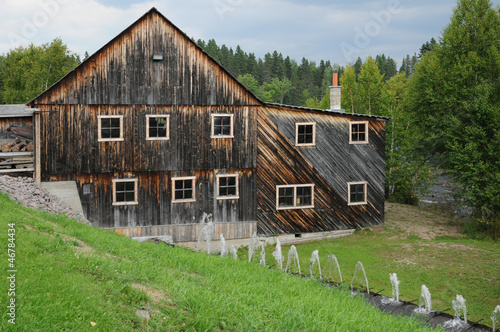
[254,242]
[263,253]
[205,231]
[223,247]
[314,260]
[292,257]
[278,255]
[331,263]
[360,267]
[424,303]
[460,308]
[234,252]
[395,286]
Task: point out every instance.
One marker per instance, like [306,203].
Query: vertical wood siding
[155,205]
[123,72]
[330,165]
[70,140]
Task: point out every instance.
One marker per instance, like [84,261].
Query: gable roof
[156,25]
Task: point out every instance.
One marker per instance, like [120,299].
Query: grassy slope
[422,247]
[71,276]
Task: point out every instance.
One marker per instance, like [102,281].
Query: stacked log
[28,147]
[17,146]
[7,147]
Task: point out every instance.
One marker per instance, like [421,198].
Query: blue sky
[334,30]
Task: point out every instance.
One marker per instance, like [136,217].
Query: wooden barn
[155,133]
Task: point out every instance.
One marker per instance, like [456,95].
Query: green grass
[71,277]
[447,265]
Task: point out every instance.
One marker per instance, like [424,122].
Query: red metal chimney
[335,79]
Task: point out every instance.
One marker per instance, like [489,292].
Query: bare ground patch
[410,220]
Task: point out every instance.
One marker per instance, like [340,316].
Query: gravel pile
[25,191]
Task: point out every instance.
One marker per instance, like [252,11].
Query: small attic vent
[157,57]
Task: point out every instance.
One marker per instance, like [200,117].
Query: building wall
[155,206]
[70,140]
[330,166]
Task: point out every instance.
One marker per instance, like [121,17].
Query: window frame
[167,117]
[295,206]
[99,128]
[236,176]
[366,141]
[313,124]
[183,178]
[365,201]
[231,120]
[136,187]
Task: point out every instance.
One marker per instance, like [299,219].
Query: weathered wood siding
[330,165]
[155,205]
[70,140]
[123,72]
[190,232]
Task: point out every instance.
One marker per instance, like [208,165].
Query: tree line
[444,102]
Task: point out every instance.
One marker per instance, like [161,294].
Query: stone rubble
[25,192]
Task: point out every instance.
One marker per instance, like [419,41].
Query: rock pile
[25,191]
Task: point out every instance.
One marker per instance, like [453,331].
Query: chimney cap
[335,79]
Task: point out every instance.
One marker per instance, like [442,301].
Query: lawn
[422,248]
[72,277]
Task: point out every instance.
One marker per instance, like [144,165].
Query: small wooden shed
[155,133]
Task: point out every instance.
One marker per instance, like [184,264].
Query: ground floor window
[227,186]
[357,193]
[124,191]
[294,196]
[183,189]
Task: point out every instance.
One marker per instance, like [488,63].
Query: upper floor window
[227,186]
[222,125]
[305,134]
[157,127]
[124,191]
[110,128]
[299,196]
[357,193]
[358,132]
[183,189]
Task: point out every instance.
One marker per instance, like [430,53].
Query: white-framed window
[227,186]
[297,196]
[110,128]
[183,189]
[157,127]
[358,132]
[305,134]
[357,193]
[125,191]
[222,126]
